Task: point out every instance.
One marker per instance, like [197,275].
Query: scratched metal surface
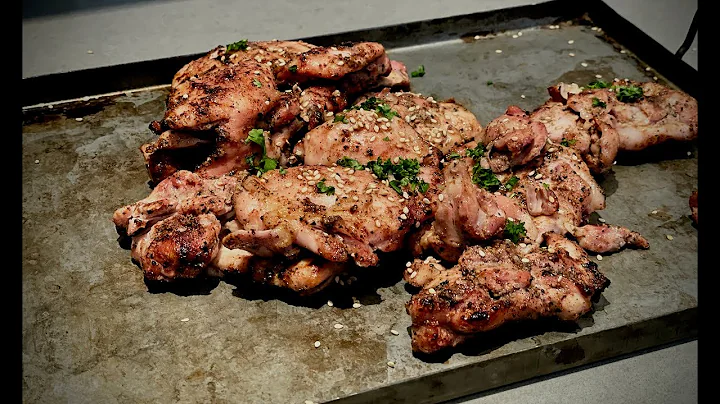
[93,332]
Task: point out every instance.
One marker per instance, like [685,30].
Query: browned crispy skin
[179,246]
[606,238]
[498,283]
[304,276]
[512,139]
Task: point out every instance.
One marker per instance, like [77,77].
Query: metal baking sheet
[94,332]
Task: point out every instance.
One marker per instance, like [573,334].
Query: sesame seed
[393,332]
[37,161]
[406,210]
[79,119]
[498,50]
[537,177]
[614,162]
[355,198]
[431,291]
[340,63]
[571,42]
[622,51]
[599,257]
[601,220]
[531,173]
[426,201]
[647,69]
[185,319]
[317,345]
[669,237]
[391,364]
[583,64]
[477,37]
[338,326]
[441,197]
[655,78]
[406,195]
[376,128]
[519,33]
[414,274]
[311,183]
[522,95]
[408,264]
[377,222]
[599,76]
[571,54]
[514,36]
[89,52]
[594,28]
[403,216]
[303,189]
[689,153]
[330,303]
[356,305]
[525,260]
[309,402]
[654,212]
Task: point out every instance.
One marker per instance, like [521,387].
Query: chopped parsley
[598,84]
[340,118]
[265,163]
[324,189]
[567,142]
[373,104]
[282,170]
[628,93]
[351,163]
[453,156]
[404,173]
[597,103]
[489,83]
[257,83]
[515,231]
[386,138]
[236,46]
[419,72]
[485,178]
[510,183]
[546,185]
[477,152]
[292,69]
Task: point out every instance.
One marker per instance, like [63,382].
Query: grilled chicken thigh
[446,125]
[183,192]
[339,214]
[498,283]
[513,139]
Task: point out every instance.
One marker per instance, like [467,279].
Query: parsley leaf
[351,163]
[628,93]
[257,83]
[598,84]
[485,178]
[477,152]
[373,104]
[546,185]
[515,231]
[453,156]
[567,143]
[292,69]
[266,163]
[256,136]
[597,103]
[239,45]
[340,118]
[419,72]
[324,189]
[386,138]
[489,83]
[510,183]
[282,170]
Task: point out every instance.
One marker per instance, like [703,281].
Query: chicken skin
[339,214]
[498,283]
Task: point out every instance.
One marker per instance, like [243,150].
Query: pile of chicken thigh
[290,163]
